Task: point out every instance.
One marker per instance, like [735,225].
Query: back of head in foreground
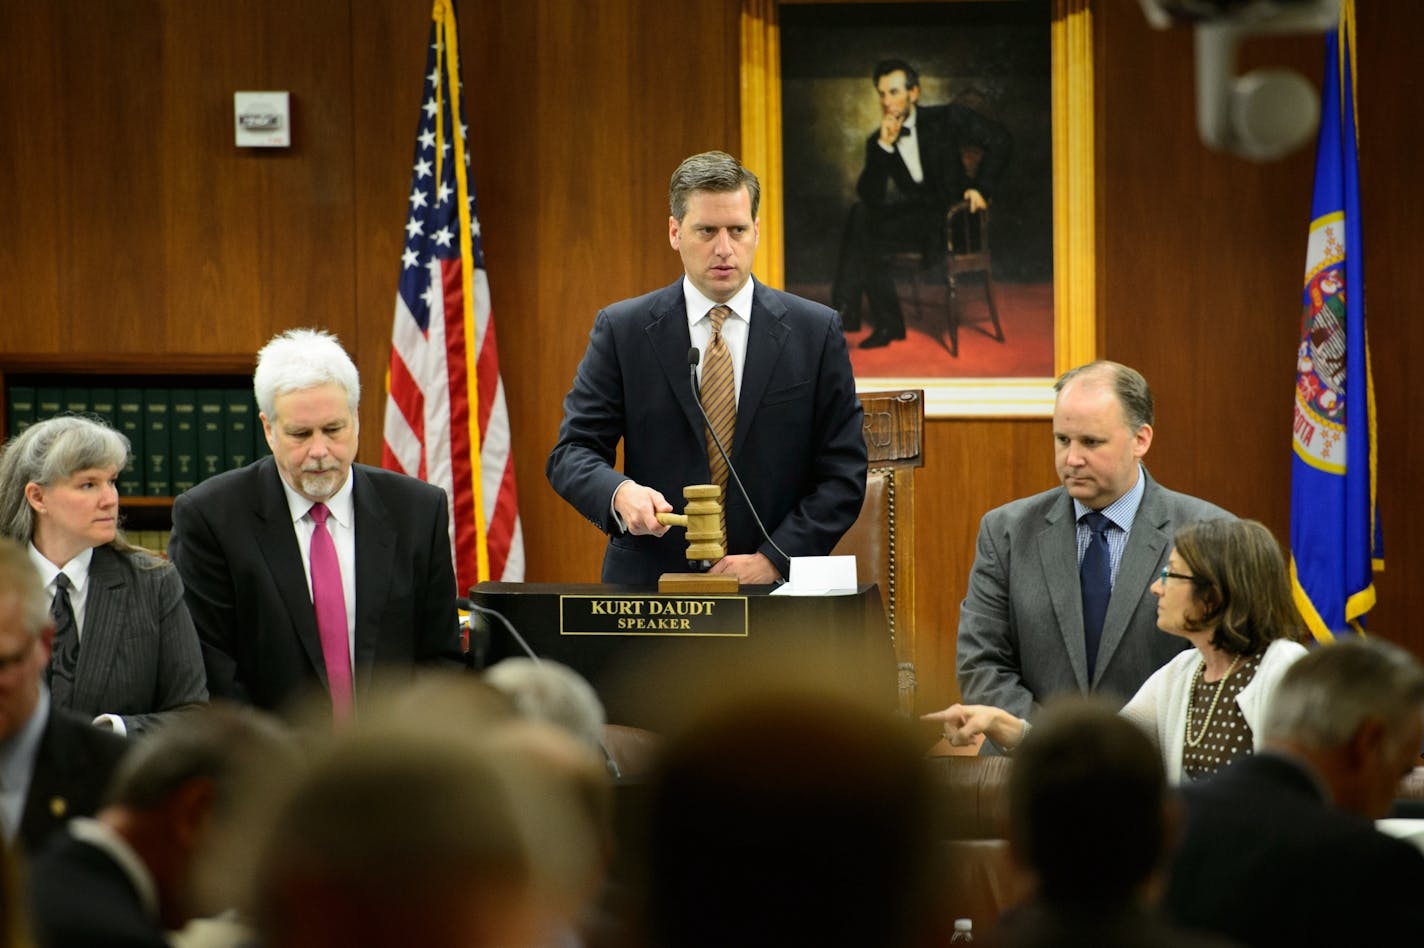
[789,818]
[1353,712]
[1087,803]
[553,692]
[404,834]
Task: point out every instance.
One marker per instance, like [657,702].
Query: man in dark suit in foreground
[915,170]
[1094,875]
[795,428]
[54,765]
[1279,848]
[305,571]
[1024,631]
[126,876]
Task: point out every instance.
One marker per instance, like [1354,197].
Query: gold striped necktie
[719,398]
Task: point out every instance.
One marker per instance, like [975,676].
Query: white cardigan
[1160,705]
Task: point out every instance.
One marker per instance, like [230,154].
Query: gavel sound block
[703,519]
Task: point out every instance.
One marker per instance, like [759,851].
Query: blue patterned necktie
[66,642]
[1095,577]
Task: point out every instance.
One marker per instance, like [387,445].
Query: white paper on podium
[820,576]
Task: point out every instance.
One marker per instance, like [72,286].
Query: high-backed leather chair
[883,537]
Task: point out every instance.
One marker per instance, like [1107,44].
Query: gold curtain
[761,129]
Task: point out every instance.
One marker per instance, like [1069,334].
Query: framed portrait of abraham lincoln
[930,162]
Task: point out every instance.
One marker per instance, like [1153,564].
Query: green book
[19,409]
[76,401]
[48,402]
[182,439]
[157,467]
[241,418]
[128,418]
[101,403]
[211,456]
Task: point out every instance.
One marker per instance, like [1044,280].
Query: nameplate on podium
[645,615]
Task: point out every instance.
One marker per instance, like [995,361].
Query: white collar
[339,503]
[76,569]
[102,837]
[697,305]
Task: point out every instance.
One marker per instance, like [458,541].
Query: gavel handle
[672,519]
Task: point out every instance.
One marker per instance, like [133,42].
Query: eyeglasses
[1167,574]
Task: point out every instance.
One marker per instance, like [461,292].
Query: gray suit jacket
[1021,623]
[139,656]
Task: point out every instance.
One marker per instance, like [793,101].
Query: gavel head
[706,528]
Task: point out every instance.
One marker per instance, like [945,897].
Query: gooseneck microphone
[693,358]
[471,606]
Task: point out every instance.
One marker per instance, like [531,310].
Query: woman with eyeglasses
[1226,591]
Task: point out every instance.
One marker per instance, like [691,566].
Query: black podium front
[652,657]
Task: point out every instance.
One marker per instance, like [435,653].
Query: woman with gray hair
[125,650]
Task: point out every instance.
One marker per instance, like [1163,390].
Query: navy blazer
[139,656]
[798,446]
[71,774]
[1266,860]
[80,896]
[246,587]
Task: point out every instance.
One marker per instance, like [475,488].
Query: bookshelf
[189,416]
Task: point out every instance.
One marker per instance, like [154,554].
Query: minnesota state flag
[1335,533]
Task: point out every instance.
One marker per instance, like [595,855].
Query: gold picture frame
[1073,203]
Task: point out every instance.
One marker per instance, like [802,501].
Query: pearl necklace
[1201,669]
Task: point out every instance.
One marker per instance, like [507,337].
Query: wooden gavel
[703,519]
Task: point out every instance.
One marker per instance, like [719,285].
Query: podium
[650,655]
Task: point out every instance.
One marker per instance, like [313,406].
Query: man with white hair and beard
[303,570]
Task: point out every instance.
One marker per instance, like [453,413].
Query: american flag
[446,418]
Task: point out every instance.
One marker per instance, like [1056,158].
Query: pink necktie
[330,603]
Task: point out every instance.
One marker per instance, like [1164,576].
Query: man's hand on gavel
[638,507]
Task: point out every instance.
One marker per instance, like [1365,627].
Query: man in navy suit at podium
[795,422]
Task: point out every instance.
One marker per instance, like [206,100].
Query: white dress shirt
[77,570]
[735,328]
[909,147]
[341,524]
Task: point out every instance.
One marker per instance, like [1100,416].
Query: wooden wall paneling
[1202,267]
[578,115]
[1202,258]
[971,466]
[31,200]
[213,205]
[1392,139]
[388,52]
[568,230]
[306,227]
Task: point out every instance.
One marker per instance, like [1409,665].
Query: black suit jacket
[81,898]
[246,587]
[798,445]
[941,131]
[1267,861]
[71,774]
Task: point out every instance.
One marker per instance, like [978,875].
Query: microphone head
[693,356]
